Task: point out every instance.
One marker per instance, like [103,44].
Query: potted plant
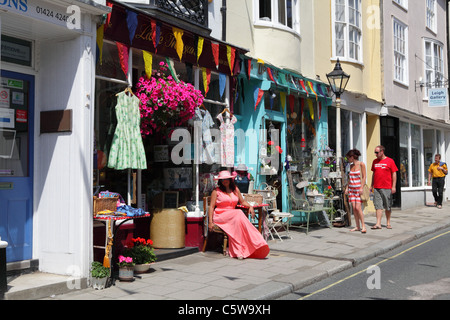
[328,192]
[100,275]
[126,268]
[165,102]
[141,251]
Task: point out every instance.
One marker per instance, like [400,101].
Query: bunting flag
[231,53]
[199,47]
[283,100]
[311,108]
[206,79]
[272,99]
[291,103]
[303,86]
[237,65]
[249,68]
[269,72]
[172,70]
[148,62]
[123,57]
[222,83]
[178,34]
[259,93]
[100,35]
[156,33]
[261,61]
[320,109]
[132,23]
[215,52]
[108,16]
[319,89]
[311,86]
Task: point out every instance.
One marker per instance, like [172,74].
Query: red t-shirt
[382,173]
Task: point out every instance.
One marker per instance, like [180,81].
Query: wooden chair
[216,229]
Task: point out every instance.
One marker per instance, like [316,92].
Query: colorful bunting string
[156,33]
[312,88]
[206,79]
[100,35]
[259,93]
[269,72]
[231,52]
[200,47]
[132,23]
[123,57]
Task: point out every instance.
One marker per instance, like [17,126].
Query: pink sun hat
[225,175]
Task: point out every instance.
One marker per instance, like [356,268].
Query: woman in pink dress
[245,241]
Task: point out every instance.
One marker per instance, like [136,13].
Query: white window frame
[402,3]
[347,25]
[396,53]
[432,68]
[431,15]
[274,23]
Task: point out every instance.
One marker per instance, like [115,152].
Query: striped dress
[354,185]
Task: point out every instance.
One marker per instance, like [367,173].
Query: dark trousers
[438,190]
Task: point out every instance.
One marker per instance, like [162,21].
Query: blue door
[16,164]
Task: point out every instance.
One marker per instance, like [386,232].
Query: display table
[258,210]
[280,223]
[115,221]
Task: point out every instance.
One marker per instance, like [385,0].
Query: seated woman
[245,241]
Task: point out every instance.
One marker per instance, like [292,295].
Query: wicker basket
[101,204]
[252,197]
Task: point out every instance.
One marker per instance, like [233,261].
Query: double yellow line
[365,270]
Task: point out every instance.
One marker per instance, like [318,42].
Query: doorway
[16,164]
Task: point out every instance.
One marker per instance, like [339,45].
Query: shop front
[139,48]
[47,73]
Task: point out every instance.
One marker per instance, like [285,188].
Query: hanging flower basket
[165,102]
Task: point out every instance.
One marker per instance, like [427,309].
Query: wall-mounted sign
[4,98]
[438,97]
[7,118]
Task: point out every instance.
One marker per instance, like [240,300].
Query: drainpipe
[223,10]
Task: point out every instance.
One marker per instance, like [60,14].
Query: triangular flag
[172,70]
[311,108]
[100,35]
[222,83]
[178,34]
[259,93]
[231,56]
[156,33]
[206,79]
[123,57]
[291,103]
[320,109]
[148,62]
[261,61]
[312,88]
[215,52]
[199,47]
[303,86]
[283,100]
[269,72]
[319,89]
[132,23]
[249,68]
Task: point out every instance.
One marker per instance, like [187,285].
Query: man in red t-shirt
[383,185]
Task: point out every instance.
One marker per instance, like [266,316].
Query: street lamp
[338,80]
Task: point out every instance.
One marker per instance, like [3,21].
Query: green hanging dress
[127,150]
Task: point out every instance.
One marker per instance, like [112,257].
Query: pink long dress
[244,239]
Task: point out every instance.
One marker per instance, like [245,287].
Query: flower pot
[142,268]
[126,273]
[99,283]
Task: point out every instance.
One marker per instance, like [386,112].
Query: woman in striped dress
[356,182]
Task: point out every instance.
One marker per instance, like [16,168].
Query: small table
[112,219]
[278,222]
[258,210]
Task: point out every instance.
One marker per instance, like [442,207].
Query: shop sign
[4,98]
[16,51]
[21,116]
[43,11]
[7,118]
[438,97]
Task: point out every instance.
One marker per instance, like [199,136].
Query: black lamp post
[338,80]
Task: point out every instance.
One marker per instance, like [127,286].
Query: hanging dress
[244,239]
[227,140]
[127,150]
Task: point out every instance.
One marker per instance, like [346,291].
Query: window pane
[357,138]
[415,156]
[289,13]
[282,12]
[428,152]
[404,134]
[265,10]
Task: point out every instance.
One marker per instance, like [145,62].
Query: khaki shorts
[382,199]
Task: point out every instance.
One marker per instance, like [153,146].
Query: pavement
[293,263]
